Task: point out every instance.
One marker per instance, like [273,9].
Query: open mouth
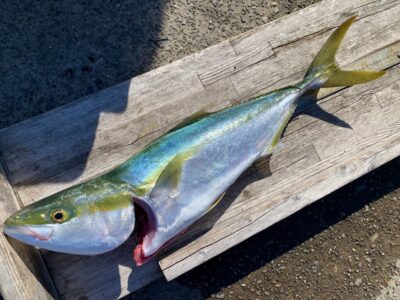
[144,230]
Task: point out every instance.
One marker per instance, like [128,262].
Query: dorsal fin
[190,120]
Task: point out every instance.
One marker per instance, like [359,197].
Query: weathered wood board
[79,141]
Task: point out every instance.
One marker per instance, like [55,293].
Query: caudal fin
[324,65]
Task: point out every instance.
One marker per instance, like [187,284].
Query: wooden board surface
[79,141]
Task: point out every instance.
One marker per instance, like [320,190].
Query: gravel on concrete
[345,246]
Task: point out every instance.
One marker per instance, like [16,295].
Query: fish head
[88,219]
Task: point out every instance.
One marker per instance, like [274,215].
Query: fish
[159,192]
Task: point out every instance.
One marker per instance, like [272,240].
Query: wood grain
[86,138]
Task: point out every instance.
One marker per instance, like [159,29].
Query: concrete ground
[346,246]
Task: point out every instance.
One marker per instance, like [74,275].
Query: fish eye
[59,216]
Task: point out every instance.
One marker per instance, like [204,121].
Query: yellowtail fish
[177,178]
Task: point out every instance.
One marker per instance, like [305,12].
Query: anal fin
[262,164]
[278,134]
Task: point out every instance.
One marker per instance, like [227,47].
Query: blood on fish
[145,228]
[145,225]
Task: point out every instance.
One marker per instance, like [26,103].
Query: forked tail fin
[325,68]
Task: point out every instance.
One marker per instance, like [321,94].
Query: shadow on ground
[261,249]
[53,52]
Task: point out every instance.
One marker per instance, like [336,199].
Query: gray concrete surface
[346,246]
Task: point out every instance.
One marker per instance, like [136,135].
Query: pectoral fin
[170,177]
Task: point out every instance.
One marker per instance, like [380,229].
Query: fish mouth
[26,233]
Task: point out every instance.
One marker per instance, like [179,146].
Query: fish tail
[325,72]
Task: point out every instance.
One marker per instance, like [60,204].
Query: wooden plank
[90,136]
[208,62]
[23,274]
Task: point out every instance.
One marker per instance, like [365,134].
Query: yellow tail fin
[325,67]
